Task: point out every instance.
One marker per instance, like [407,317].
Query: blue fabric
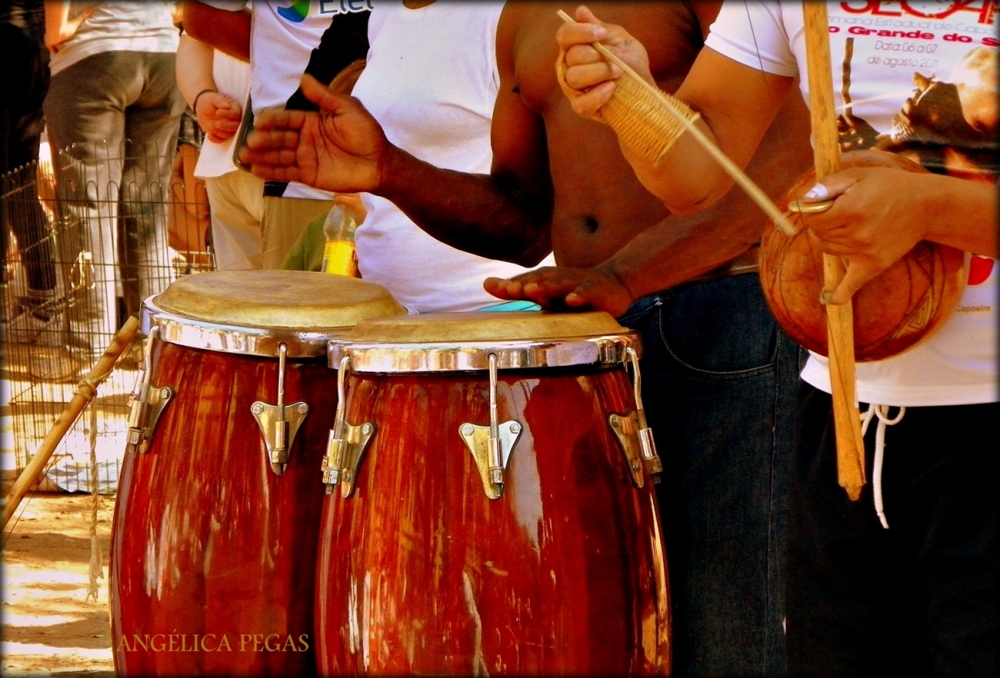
[719,384]
[514,306]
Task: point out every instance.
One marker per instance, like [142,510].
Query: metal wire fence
[87,237]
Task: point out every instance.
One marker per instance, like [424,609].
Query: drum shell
[892,313]
[206,538]
[420,572]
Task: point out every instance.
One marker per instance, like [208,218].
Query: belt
[744,263]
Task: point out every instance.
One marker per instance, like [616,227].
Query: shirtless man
[718,375]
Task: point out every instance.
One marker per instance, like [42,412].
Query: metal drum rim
[387,358]
[182,330]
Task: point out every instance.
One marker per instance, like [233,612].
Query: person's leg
[84,113]
[152,121]
[284,221]
[21,126]
[952,490]
[919,597]
[237,204]
[718,379]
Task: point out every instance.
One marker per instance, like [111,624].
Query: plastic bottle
[339,257]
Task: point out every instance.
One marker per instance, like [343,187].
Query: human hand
[218,115]
[876,218]
[54,39]
[354,205]
[553,287]
[340,148]
[588,80]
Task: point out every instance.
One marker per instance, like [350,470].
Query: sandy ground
[49,626]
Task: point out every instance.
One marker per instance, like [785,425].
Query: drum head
[277,299]
[253,311]
[464,341]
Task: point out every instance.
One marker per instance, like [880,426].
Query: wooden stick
[840,319]
[86,390]
[731,168]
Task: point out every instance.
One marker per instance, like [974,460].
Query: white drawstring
[882,412]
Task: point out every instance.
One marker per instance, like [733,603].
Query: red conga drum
[491,506]
[215,531]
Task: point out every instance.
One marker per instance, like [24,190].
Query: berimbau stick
[840,318]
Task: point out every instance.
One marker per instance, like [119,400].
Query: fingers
[280,120]
[831,187]
[273,166]
[587,29]
[320,94]
[504,289]
[544,286]
[858,273]
[263,141]
[272,155]
[562,288]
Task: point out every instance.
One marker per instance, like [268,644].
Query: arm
[225,30]
[343,149]
[880,214]
[507,214]
[718,88]
[218,114]
[59,27]
[666,254]
[678,248]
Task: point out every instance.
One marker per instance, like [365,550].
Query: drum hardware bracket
[634,434]
[491,445]
[477,439]
[626,428]
[146,403]
[279,423]
[347,444]
[344,455]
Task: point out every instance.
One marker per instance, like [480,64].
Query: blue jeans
[719,384]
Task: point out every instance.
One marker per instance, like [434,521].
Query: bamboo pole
[840,319]
[85,392]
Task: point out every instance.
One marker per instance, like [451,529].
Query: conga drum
[491,506]
[215,530]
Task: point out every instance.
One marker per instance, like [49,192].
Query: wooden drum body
[428,565]
[216,527]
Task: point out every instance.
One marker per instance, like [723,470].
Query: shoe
[54,364]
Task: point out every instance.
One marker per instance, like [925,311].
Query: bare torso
[599,204]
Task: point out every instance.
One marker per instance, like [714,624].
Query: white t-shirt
[892,42]
[232,77]
[282,38]
[118,27]
[431,82]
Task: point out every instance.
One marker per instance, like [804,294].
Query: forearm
[226,31]
[194,68]
[476,213]
[960,213]
[56,22]
[687,180]
[677,250]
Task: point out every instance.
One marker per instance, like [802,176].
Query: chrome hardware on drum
[215,529]
[489,506]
